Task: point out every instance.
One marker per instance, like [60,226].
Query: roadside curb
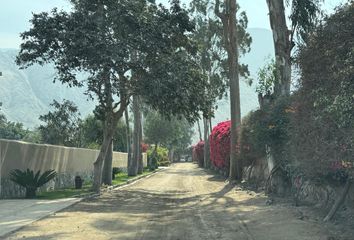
[118,186]
[78,198]
[132,181]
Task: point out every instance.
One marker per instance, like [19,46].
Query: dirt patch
[182,202]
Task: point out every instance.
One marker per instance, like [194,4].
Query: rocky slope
[26,94]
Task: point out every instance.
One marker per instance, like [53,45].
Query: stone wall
[67,162]
[308,192]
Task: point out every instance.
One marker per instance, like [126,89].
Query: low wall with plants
[66,161]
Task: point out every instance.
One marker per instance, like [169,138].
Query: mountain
[26,94]
[261,49]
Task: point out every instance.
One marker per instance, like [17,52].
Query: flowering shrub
[144,147]
[220,145]
[198,153]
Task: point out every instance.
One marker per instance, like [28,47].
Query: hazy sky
[15,14]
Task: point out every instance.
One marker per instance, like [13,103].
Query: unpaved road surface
[181,202]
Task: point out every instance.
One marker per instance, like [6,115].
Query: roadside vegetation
[120,178]
[156,71]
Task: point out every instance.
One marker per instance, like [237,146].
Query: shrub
[157,157]
[253,140]
[30,181]
[116,170]
[144,147]
[220,145]
[252,145]
[325,114]
[198,153]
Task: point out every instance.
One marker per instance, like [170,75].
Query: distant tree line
[64,126]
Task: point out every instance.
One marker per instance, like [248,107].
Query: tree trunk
[140,162]
[228,18]
[282,45]
[108,131]
[206,144]
[211,125]
[199,131]
[107,165]
[111,119]
[171,153]
[126,115]
[339,201]
[97,166]
[133,169]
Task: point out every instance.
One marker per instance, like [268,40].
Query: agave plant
[31,181]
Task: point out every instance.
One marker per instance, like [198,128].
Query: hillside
[26,94]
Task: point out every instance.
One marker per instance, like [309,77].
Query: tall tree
[212,57]
[231,44]
[303,15]
[134,165]
[107,165]
[99,37]
[140,160]
[128,139]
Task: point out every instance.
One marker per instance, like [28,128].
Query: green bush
[116,170]
[157,157]
[31,181]
[323,141]
[253,146]
[269,126]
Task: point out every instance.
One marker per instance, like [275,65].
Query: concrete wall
[67,162]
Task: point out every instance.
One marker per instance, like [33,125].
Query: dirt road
[182,202]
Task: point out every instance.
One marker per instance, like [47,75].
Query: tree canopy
[127,47]
[110,40]
[61,125]
[172,133]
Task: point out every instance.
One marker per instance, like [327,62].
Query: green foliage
[173,133]
[30,180]
[101,38]
[325,99]
[304,16]
[267,78]
[16,131]
[66,193]
[211,55]
[271,126]
[116,170]
[12,130]
[311,132]
[61,126]
[253,146]
[331,87]
[91,134]
[122,177]
[33,136]
[157,156]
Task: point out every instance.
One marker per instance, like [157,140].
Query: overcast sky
[15,14]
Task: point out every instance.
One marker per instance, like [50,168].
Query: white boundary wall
[66,161]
